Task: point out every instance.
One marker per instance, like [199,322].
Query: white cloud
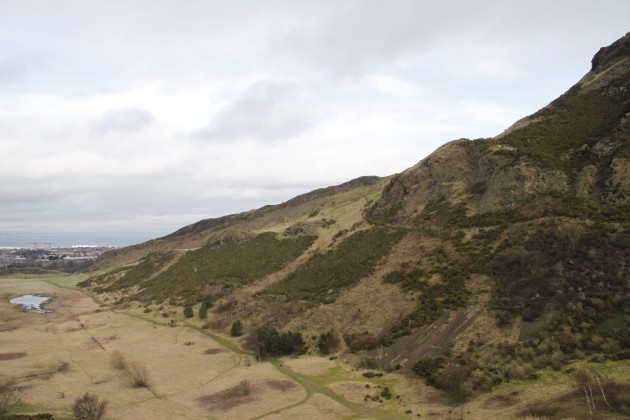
[393,86]
[267,111]
[181,113]
[125,120]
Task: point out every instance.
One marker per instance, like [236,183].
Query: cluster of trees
[270,342]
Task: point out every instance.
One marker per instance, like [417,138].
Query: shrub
[244,387]
[9,400]
[326,342]
[203,310]
[188,311]
[224,266]
[323,276]
[88,407]
[139,375]
[427,367]
[237,328]
[117,360]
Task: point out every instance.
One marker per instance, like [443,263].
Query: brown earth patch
[73,329]
[502,400]
[214,351]
[280,384]
[12,356]
[4,328]
[229,398]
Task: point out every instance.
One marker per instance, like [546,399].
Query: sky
[140,117]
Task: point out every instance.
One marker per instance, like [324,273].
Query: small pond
[31,303]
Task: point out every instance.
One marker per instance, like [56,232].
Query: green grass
[229,266]
[322,277]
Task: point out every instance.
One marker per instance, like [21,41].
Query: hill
[487,261]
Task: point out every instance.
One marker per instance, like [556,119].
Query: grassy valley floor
[185,372]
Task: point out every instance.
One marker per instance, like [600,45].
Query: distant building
[32,246]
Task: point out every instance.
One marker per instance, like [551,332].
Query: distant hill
[485,262]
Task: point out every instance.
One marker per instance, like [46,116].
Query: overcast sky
[144,116]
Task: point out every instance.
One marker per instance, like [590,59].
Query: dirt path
[310,385]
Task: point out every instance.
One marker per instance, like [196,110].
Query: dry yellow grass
[80,347]
[70,351]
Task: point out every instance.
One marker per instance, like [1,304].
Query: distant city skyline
[66,240]
[146,116]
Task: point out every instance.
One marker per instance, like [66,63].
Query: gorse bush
[570,122]
[237,329]
[230,265]
[323,276]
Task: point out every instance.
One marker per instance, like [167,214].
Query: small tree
[9,400]
[203,310]
[188,311]
[139,375]
[237,328]
[326,342]
[88,407]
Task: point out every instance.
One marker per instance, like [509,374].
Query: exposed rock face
[577,146]
[229,236]
[514,185]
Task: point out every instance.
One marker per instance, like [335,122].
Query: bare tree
[139,375]
[88,407]
[583,381]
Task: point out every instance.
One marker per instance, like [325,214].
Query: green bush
[322,277]
[203,310]
[230,265]
[326,342]
[237,328]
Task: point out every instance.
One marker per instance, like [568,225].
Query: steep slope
[486,261]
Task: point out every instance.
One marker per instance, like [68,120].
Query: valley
[53,358]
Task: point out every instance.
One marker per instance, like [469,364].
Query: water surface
[31,303]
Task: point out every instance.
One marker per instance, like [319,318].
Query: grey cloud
[16,68]
[355,36]
[125,120]
[267,111]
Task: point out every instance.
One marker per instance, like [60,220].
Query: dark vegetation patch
[502,400]
[322,277]
[239,394]
[12,356]
[229,266]
[450,293]
[269,342]
[571,121]
[145,269]
[280,384]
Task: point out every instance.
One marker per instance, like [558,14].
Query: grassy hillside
[487,262]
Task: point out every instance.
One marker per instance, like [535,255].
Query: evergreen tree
[237,328]
[203,310]
[188,311]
